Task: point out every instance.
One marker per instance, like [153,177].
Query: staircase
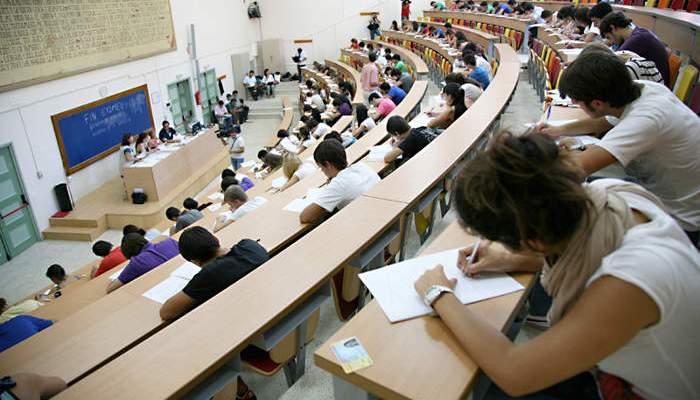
[269,108]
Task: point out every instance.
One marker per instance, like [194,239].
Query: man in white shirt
[646,128]
[220,111]
[236,150]
[318,129]
[316,101]
[251,83]
[300,60]
[346,183]
[239,205]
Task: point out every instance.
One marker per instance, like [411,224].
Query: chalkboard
[93,131]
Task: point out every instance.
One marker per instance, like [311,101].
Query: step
[74,222]
[72,233]
[264,115]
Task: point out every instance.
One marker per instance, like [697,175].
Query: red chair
[677,4]
[694,103]
[692,6]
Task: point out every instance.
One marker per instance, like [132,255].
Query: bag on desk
[139,197]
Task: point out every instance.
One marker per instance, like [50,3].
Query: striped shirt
[642,69]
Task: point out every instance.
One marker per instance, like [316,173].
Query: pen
[472,256]
[549,111]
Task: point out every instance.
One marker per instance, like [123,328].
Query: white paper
[116,274]
[248,164]
[152,234]
[560,122]
[297,205]
[214,207]
[279,182]
[572,52]
[165,232]
[377,153]
[421,119]
[218,196]
[161,292]
[392,286]
[186,271]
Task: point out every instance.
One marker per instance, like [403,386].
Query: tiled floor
[24,274]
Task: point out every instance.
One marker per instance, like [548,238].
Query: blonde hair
[290,164]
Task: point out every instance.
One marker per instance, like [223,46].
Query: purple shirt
[151,256]
[246,184]
[647,45]
[345,109]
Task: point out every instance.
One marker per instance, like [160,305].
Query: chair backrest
[649,3]
[694,103]
[674,64]
[692,6]
[677,4]
[663,3]
[688,77]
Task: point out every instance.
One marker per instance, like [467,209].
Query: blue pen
[549,111]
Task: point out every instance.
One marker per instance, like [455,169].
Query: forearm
[524,263]
[594,126]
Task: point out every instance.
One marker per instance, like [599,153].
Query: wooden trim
[369,13]
[221,78]
[303,41]
[56,118]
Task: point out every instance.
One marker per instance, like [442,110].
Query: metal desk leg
[295,368]
[346,391]
[216,381]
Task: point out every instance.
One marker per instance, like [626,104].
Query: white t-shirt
[591,29]
[247,207]
[662,361]
[290,144]
[368,123]
[349,184]
[305,169]
[657,140]
[381,60]
[250,81]
[220,111]
[236,145]
[317,102]
[123,151]
[321,130]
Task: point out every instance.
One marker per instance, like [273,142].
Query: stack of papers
[177,280]
[392,286]
[377,153]
[214,207]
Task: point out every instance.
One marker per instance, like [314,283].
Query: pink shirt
[370,77]
[385,107]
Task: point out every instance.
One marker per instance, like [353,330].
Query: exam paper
[214,207]
[377,153]
[421,119]
[279,182]
[297,205]
[218,196]
[392,286]
[186,271]
[161,292]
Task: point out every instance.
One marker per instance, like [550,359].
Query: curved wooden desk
[484,39]
[351,75]
[415,63]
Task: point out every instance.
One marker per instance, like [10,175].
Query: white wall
[222,28]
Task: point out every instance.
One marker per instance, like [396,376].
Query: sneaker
[537,321]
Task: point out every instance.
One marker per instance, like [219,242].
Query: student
[346,139]
[251,84]
[270,160]
[111,257]
[143,257]
[617,28]
[404,80]
[625,279]
[221,268]
[437,5]
[287,142]
[236,149]
[60,279]
[477,73]
[354,44]
[369,77]
[305,138]
[547,17]
[153,141]
[141,145]
[294,169]
[395,27]
[300,60]
[406,141]
[192,204]
[598,12]
[269,80]
[31,386]
[399,64]
[373,27]
[345,182]
[318,129]
[8,312]
[315,99]
[646,129]
[584,22]
[364,123]
[20,328]
[455,107]
[506,9]
[245,182]
[244,109]
[472,91]
[639,67]
[239,205]
[167,134]
[127,153]
[384,105]
[220,111]
[182,219]
[395,93]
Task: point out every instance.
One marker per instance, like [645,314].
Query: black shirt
[168,134]
[226,270]
[416,140]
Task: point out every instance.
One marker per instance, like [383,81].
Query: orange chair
[674,64]
[663,3]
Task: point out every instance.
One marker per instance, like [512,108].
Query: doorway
[17,228]
[209,94]
[181,104]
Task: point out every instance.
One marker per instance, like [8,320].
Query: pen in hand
[472,256]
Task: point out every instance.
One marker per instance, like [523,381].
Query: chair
[561,72]
[688,78]
[663,3]
[674,64]
[677,4]
[650,3]
[692,6]
[694,103]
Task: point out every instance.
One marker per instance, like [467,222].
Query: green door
[175,107]
[17,229]
[181,104]
[209,96]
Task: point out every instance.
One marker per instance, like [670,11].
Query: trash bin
[63,197]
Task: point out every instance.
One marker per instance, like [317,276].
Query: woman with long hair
[455,107]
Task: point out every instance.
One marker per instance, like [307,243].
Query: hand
[488,259]
[435,276]
[546,129]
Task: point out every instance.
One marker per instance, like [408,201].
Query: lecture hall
[350,199]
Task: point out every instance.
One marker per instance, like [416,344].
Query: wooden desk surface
[349,73]
[194,345]
[420,68]
[434,44]
[483,39]
[434,366]
[519,24]
[564,113]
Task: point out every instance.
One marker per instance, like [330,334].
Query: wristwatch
[434,292]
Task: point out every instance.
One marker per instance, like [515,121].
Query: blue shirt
[506,10]
[19,328]
[397,94]
[481,76]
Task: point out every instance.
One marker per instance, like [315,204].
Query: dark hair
[166,122]
[282,133]
[304,133]
[228,181]
[599,76]
[455,92]
[332,152]
[385,87]
[3,303]
[361,113]
[190,204]
[336,103]
[582,15]
[546,14]
[312,123]
[455,77]
[132,229]
[221,102]
[132,244]
[373,96]
[527,6]
[448,25]
[372,57]
[197,243]
[56,272]
[395,72]
[600,10]
[469,59]
[397,125]
[614,19]
[262,153]
[227,172]
[101,248]
[396,57]
[521,188]
[172,213]
[566,12]
[125,139]
[333,136]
